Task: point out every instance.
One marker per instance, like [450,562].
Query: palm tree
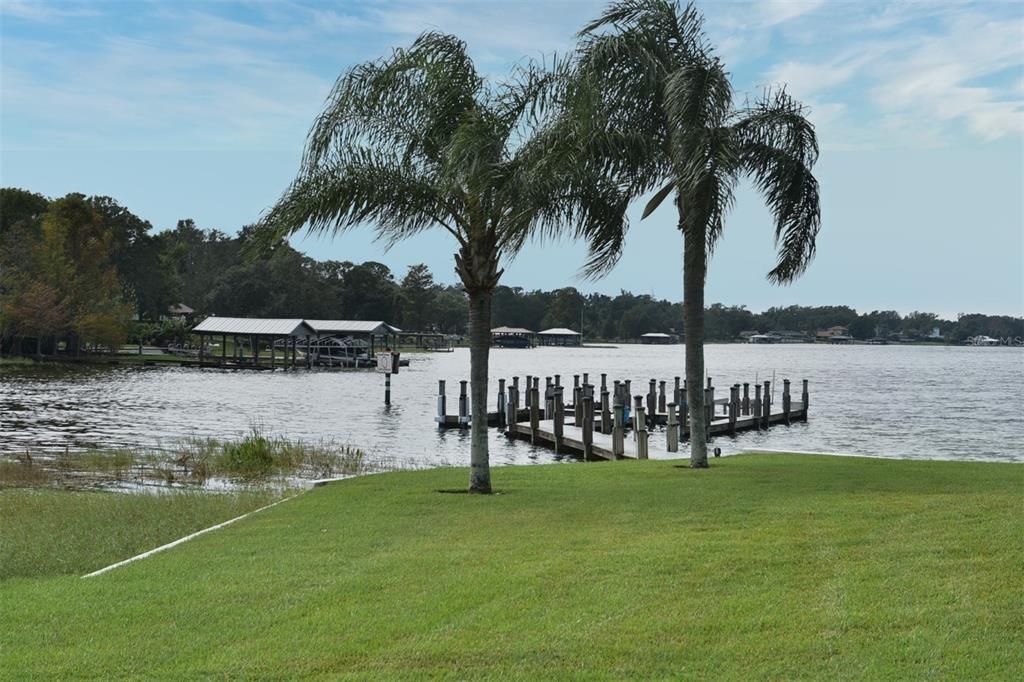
[657,107]
[419,141]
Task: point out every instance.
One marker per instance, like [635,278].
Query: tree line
[86,269]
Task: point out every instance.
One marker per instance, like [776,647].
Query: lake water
[888,401]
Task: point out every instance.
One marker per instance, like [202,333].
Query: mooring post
[606,412]
[559,421]
[709,410]
[652,401]
[534,415]
[575,381]
[549,398]
[588,427]
[577,405]
[627,398]
[746,398]
[501,402]
[604,381]
[672,432]
[512,410]
[661,397]
[734,406]
[757,406]
[677,389]
[786,402]
[805,399]
[618,425]
[766,404]
[441,404]
[641,432]
[387,388]
[684,427]
[558,381]
[463,404]
[638,408]
[586,378]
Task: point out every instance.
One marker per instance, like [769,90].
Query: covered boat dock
[256,333]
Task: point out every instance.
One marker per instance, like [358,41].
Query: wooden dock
[602,428]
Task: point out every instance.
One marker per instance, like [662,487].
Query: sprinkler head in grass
[718,452]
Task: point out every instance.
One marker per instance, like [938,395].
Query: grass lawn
[765,566]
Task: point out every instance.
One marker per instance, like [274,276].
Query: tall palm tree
[417,141]
[659,113]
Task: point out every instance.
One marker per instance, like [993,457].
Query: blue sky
[200,110]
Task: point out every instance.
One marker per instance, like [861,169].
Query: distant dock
[610,423]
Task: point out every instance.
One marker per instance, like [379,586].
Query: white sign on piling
[387,364]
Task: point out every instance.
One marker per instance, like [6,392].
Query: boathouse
[658,338]
[256,333]
[376,333]
[559,336]
[512,337]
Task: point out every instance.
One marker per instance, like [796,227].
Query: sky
[200,110]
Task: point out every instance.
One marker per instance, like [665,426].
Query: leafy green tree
[418,140]
[662,105]
[417,295]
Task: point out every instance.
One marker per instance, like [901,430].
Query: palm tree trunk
[694,272]
[479,350]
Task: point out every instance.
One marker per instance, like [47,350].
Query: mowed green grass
[765,566]
[47,532]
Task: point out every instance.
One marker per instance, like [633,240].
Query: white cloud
[773,12]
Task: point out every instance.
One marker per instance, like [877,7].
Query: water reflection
[917,402]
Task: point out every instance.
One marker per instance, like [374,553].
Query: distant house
[179,311]
[658,338]
[559,336]
[745,335]
[835,334]
[512,337]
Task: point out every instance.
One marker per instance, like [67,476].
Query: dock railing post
[766,404]
[463,404]
[559,418]
[746,398]
[588,427]
[805,398]
[534,415]
[442,404]
[501,402]
[672,432]
[606,412]
[640,433]
[786,400]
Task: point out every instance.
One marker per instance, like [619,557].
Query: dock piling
[746,398]
[463,404]
[786,401]
[734,407]
[661,397]
[534,415]
[606,413]
[805,399]
[618,426]
[672,432]
[766,404]
[640,432]
[652,401]
[677,390]
[559,421]
[442,406]
[588,427]
[501,402]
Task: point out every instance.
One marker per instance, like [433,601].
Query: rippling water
[890,401]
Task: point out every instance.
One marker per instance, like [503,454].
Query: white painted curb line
[184,539]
